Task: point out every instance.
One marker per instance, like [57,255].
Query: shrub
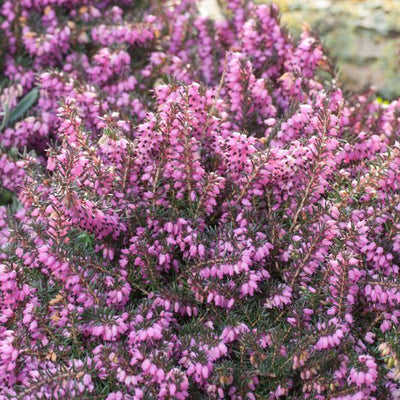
[233,235]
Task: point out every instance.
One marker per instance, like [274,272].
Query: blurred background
[362,35]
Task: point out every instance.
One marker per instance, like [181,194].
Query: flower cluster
[198,210]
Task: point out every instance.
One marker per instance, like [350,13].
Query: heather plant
[109,58]
[199,211]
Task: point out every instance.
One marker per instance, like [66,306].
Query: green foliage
[5,196]
[11,116]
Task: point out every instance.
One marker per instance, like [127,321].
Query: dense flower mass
[196,210]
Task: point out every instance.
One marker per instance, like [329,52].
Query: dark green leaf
[5,196]
[24,105]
